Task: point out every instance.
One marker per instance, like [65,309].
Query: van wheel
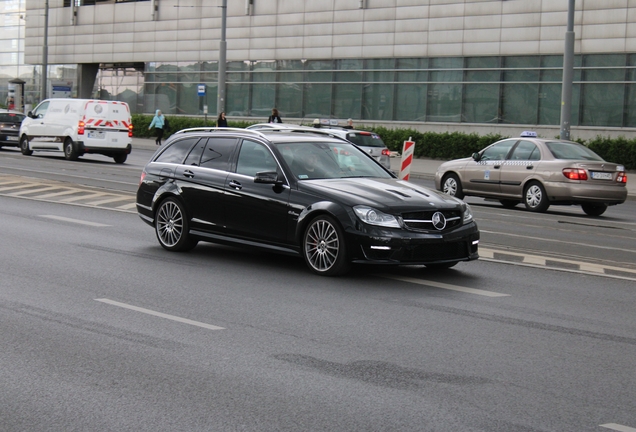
[70,153]
[24,146]
[120,158]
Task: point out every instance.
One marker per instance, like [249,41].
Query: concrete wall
[324,29]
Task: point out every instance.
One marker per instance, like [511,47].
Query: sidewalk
[420,168]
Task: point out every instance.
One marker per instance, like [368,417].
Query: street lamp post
[568,73]
[45,51]
[220,103]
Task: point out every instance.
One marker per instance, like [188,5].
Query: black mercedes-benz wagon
[298,193]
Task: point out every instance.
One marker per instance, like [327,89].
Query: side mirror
[267,177]
[30,114]
[476,157]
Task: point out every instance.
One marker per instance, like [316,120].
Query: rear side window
[217,153]
[366,139]
[177,151]
[571,151]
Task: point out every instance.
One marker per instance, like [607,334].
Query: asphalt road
[104,330]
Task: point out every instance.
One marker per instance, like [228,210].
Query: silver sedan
[538,173]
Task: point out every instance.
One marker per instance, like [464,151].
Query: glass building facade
[477,90]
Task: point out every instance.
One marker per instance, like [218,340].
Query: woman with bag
[158,122]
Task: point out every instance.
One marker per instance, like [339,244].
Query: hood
[381,194]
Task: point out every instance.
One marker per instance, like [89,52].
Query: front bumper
[378,246]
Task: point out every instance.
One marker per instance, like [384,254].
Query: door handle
[530,167]
[188,174]
[236,185]
[496,166]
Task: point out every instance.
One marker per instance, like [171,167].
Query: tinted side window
[177,151]
[525,150]
[366,139]
[253,158]
[194,158]
[498,151]
[217,153]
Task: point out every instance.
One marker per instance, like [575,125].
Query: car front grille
[436,252]
[423,220]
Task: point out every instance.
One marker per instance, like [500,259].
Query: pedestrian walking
[158,122]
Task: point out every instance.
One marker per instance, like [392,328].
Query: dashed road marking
[160,314]
[76,221]
[618,427]
[444,286]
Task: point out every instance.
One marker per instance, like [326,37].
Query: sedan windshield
[571,151]
[311,160]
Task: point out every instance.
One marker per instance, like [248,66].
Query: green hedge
[443,146]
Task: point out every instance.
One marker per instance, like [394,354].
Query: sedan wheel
[452,186]
[535,198]
[171,227]
[324,248]
[509,203]
[594,209]
[24,146]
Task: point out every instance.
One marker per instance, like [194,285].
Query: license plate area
[97,134]
[602,175]
[12,138]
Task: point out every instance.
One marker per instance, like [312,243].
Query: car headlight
[376,217]
[468,214]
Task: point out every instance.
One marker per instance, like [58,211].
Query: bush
[434,145]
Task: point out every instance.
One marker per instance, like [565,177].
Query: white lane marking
[559,241]
[109,200]
[34,191]
[20,186]
[56,194]
[445,286]
[618,427]
[77,221]
[83,197]
[128,206]
[159,314]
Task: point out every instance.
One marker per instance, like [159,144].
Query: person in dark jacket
[221,121]
[275,117]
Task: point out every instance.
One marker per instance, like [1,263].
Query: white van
[77,127]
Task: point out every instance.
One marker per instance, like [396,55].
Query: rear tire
[535,198]
[120,158]
[24,146]
[452,186]
[70,152]
[172,227]
[594,209]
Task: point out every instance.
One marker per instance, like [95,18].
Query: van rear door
[106,124]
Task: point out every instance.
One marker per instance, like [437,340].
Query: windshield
[571,151]
[366,139]
[11,118]
[311,160]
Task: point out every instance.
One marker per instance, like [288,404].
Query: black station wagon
[298,193]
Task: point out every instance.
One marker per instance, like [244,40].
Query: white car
[77,127]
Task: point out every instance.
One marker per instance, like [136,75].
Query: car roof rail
[220,129]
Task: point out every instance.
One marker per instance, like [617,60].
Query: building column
[86,75]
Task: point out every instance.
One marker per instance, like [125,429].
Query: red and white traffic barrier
[407,159]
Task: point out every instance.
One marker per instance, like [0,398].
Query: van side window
[41,110]
[217,153]
[177,152]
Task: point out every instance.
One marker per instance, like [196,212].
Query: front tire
[594,209]
[24,146]
[452,186]
[70,152]
[535,198]
[172,227]
[324,247]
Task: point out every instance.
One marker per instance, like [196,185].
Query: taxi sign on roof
[529,134]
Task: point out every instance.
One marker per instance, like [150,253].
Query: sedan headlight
[376,217]
[468,214]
